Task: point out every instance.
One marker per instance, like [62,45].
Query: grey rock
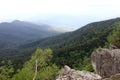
[106,62]
[112,46]
[113,77]
[70,74]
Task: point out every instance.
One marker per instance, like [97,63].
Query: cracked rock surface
[106,62]
[70,74]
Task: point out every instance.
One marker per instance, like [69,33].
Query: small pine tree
[39,67]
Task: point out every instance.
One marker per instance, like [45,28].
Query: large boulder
[70,74]
[106,62]
[113,77]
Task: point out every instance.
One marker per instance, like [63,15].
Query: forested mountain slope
[74,48]
[20,32]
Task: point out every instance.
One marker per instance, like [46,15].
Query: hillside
[74,48]
[20,32]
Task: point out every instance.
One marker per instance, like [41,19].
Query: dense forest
[43,58]
[74,48]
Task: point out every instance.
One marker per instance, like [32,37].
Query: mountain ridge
[77,43]
[19,32]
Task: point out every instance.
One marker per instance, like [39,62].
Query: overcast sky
[70,14]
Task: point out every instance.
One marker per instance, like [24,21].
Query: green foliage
[48,73]
[99,48]
[114,37]
[6,70]
[88,65]
[45,69]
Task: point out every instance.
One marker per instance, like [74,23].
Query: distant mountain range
[17,32]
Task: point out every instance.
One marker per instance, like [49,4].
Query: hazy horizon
[67,14]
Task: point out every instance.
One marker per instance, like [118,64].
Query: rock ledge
[106,62]
[70,74]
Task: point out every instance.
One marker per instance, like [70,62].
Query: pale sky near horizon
[70,14]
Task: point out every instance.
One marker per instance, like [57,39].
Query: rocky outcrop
[106,62]
[113,77]
[70,74]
